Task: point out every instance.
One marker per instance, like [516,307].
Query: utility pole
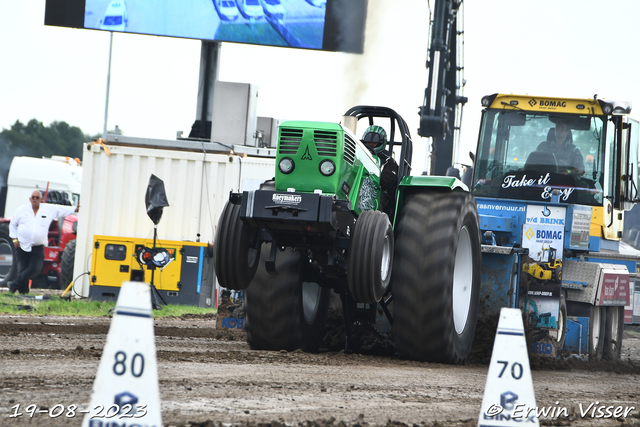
[106,104]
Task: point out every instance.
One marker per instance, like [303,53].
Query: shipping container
[197,175]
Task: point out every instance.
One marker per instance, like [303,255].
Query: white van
[250,9]
[60,177]
[227,9]
[115,17]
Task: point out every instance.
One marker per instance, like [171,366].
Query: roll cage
[398,127]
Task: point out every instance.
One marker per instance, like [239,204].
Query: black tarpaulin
[155,199]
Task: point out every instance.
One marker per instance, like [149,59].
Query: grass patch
[52,305]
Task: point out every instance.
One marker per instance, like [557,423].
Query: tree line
[34,139]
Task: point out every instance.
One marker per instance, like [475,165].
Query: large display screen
[335,25]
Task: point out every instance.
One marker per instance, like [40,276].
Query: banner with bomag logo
[546,104]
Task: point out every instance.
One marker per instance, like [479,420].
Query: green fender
[412,184]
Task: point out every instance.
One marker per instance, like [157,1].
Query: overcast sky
[572,48]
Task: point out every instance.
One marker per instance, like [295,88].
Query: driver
[560,143]
[375,138]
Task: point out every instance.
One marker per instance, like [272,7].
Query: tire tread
[426,239]
[67,260]
[274,310]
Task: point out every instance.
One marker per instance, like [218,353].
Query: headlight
[606,107]
[327,167]
[487,100]
[286,165]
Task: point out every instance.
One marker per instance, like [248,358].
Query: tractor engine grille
[349,149]
[326,142]
[290,140]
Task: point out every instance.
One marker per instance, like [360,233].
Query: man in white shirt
[29,229]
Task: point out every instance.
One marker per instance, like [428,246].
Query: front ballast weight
[358,250]
[284,219]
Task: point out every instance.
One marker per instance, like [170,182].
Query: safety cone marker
[509,399]
[125,391]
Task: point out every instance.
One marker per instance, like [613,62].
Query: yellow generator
[186,276]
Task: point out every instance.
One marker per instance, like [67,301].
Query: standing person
[29,229]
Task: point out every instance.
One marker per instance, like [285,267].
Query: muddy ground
[210,378]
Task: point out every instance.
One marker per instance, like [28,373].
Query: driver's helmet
[375,138]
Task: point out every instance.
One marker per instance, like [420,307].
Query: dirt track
[209,377]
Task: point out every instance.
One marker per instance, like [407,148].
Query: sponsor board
[540,239]
[614,288]
[230,309]
[580,227]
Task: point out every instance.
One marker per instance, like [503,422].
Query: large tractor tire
[235,260]
[67,260]
[614,328]
[8,258]
[282,312]
[370,257]
[436,277]
[597,324]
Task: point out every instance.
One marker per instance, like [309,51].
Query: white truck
[59,179]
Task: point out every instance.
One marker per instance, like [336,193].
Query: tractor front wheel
[436,277]
[370,257]
[235,258]
[281,311]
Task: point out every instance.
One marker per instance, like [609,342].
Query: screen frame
[345,22]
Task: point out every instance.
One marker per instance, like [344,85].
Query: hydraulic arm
[441,112]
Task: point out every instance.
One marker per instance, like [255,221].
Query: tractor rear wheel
[370,257]
[281,311]
[235,258]
[8,258]
[436,277]
[613,333]
[597,324]
[66,264]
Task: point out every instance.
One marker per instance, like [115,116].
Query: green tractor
[323,224]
